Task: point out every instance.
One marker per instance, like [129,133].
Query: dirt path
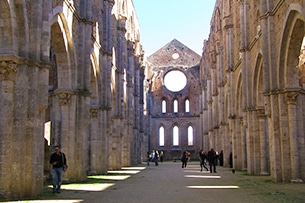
[169,183]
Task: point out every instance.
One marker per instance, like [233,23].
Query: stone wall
[252,89]
[174,56]
[75,64]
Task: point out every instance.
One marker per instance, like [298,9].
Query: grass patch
[268,181]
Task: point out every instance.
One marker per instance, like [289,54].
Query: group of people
[155,157]
[212,157]
[59,165]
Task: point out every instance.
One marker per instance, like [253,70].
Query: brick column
[263,141]
[291,98]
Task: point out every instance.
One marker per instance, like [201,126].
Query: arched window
[190,136]
[161,136]
[175,106]
[176,136]
[187,106]
[163,106]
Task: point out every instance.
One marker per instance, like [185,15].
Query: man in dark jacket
[59,165]
[184,159]
[212,158]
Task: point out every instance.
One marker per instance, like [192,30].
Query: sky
[161,21]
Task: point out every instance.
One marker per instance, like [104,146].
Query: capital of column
[122,23]
[260,113]
[94,111]
[291,97]
[7,68]
[219,50]
[64,96]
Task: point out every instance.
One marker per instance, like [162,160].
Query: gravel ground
[168,182]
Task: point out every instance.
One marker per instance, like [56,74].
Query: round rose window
[175,80]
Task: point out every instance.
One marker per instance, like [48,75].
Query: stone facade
[253,86]
[174,56]
[76,65]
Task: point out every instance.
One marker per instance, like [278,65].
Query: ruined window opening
[47,132]
[176,136]
[175,56]
[175,106]
[187,106]
[175,80]
[190,136]
[163,106]
[161,136]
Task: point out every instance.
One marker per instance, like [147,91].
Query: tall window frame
[161,136]
[190,136]
[163,106]
[175,106]
[187,106]
[176,136]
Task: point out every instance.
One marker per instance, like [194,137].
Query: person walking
[161,156]
[221,158]
[59,165]
[148,158]
[202,158]
[211,159]
[156,157]
[184,159]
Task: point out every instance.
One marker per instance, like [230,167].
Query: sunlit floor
[126,172]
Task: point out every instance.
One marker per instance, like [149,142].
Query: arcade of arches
[74,73]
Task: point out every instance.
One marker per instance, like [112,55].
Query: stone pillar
[95,142]
[220,66]
[264,152]
[248,141]
[291,98]
[274,143]
[236,143]
[23,101]
[141,147]
[243,145]
[104,133]
[7,91]
[213,80]
[115,144]
[107,44]
[121,55]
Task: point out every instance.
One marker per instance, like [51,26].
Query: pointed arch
[293,34]
[7,29]
[64,51]
[163,105]
[95,83]
[258,82]
[161,136]
[238,95]
[190,135]
[175,106]
[187,105]
[176,136]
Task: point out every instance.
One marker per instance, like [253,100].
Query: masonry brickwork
[174,56]
[76,66]
[79,68]
[253,87]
